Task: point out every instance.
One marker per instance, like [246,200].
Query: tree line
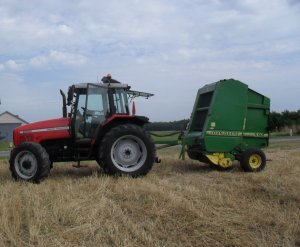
[277,121]
[288,119]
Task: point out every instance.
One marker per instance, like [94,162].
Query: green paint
[228,116]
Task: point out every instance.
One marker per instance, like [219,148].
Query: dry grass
[180,203]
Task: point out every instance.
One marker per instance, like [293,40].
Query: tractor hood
[43,130]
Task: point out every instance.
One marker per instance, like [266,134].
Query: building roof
[7,118]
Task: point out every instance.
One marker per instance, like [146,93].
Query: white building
[8,122]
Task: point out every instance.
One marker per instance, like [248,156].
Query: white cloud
[50,61]
[67,58]
[65,29]
[39,61]
[58,58]
[13,65]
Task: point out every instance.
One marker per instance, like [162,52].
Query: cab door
[92,109]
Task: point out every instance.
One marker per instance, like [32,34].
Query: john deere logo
[223,133]
[235,133]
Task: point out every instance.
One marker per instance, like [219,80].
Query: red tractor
[99,127]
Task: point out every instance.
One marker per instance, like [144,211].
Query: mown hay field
[179,203]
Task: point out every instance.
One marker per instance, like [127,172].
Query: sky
[167,47]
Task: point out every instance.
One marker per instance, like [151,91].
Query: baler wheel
[29,161]
[192,155]
[127,150]
[253,160]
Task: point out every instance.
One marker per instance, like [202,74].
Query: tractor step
[83,143]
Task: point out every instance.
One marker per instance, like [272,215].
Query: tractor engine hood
[43,130]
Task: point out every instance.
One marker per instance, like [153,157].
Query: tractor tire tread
[42,157]
[111,135]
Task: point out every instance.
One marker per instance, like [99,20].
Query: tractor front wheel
[29,161]
[253,160]
[127,150]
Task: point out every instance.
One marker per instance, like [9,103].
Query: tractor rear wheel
[253,160]
[29,161]
[127,150]
[99,162]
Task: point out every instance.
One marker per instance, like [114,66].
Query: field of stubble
[179,203]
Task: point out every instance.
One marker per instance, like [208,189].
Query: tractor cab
[95,108]
[93,104]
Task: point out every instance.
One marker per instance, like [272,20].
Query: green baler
[229,122]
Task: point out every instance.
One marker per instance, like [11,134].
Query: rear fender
[114,121]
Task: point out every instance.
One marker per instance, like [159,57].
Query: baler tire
[127,150]
[30,162]
[192,155]
[253,160]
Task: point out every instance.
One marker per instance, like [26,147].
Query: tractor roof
[108,82]
[109,85]
[114,85]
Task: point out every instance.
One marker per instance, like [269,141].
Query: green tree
[276,122]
